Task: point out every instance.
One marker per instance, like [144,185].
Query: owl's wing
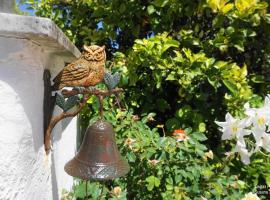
[74,72]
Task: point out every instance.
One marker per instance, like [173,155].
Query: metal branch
[97,92]
[57,118]
[68,93]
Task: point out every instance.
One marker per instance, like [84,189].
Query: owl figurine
[86,71]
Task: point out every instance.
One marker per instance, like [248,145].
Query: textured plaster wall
[26,173]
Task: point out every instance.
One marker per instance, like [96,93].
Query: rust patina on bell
[98,157]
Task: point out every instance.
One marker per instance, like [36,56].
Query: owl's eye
[98,56]
[89,56]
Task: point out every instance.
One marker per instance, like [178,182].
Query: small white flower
[251,196]
[203,198]
[129,142]
[244,154]
[232,127]
[117,191]
[257,132]
[229,154]
[209,154]
[267,101]
[153,162]
[262,139]
[259,117]
[265,142]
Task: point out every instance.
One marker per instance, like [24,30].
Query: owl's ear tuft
[86,48]
[100,49]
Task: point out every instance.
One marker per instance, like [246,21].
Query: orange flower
[178,131]
[180,135]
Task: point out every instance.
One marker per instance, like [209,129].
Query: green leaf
[227,8]
[122,8]
[169,187]
[207,173]
[160,3]
[202,127]
[80,190]
[239,46]
[173,43]
[131,157]
[266,17]
[171,77]
[258,79]
[93,189]
[199,136]
[172,123]
[151,9]
[162,105]
[213,81]
[218,20]
[231,86]
[152,182]
[267,179]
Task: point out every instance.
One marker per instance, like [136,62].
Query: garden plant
[195,115]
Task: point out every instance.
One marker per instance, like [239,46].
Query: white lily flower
[233,128]
[244,154]
[259,117]
[257,132]
[251,196]
[267,100]
[265,142]
[262,139]
[241,142]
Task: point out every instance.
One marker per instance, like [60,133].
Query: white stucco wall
[26,173]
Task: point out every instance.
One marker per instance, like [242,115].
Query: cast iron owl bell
[98,157]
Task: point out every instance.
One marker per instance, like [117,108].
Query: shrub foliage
[189,62]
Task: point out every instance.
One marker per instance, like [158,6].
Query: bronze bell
[98,157]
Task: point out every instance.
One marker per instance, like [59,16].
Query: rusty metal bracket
[48,100]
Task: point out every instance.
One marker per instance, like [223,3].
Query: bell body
[98,157]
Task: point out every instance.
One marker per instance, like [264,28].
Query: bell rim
[118,169]
[98,164]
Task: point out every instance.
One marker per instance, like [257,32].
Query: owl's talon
[79,89]
[92,88]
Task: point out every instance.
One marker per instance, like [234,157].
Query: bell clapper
[86,192]
[102,188]
[100,99]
